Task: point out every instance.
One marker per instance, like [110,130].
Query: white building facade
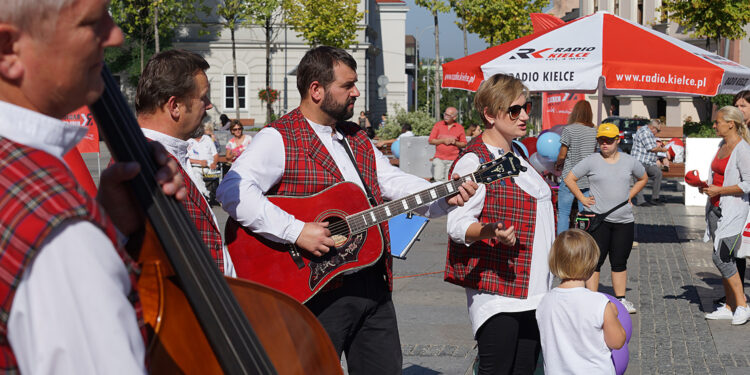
[378,50]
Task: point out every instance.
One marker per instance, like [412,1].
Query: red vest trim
[309,168]
[39,193]
[488,266]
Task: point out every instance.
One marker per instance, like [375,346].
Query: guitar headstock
[508,165]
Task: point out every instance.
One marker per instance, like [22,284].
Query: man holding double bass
[303,153]
[66,294]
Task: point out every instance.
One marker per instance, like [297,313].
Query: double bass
[199,321]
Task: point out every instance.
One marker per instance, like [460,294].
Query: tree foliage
[495,21]
[136,19]
[324,22]
[710,19]
[421,123]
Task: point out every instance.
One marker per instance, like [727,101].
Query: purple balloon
[623,316]
[620,359]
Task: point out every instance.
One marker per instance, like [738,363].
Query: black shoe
[656,202]
[644,204]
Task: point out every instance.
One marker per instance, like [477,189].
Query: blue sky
[418,19]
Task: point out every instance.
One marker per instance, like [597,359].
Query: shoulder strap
[614,209]
[370,197]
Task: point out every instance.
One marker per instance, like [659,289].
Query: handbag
[588,221]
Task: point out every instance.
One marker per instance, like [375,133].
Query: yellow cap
[608,130]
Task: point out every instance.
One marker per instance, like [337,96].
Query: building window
[229,91]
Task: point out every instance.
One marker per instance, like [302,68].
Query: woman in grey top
[609,173]
[577,141]
[725,221]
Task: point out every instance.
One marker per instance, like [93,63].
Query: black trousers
[361,321]
[615,239]
[509,343]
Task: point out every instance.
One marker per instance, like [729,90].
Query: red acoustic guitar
[353,225]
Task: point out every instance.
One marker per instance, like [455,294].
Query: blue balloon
[395,148]
[522,147]
[548,145]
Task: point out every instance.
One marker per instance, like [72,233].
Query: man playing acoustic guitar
[303,153]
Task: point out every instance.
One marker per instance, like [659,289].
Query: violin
[199,321]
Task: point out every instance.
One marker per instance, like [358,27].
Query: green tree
[235,14]
[498,22]
[435,7]
[324,22]
[710,19]
[146,22]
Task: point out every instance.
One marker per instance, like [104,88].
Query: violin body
[292,337]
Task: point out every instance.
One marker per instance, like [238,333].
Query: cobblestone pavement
[671,280]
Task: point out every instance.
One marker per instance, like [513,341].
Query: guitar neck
[384,212]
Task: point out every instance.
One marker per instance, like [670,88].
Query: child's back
[571,328]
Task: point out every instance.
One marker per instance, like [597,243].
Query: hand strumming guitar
[315,238]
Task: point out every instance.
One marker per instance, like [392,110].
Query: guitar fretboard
[359,222]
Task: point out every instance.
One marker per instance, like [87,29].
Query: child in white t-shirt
[578,327]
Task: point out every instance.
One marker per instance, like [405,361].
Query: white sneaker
[722,313]
[741,315]
[628,306]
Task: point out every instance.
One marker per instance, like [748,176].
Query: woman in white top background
[499,240]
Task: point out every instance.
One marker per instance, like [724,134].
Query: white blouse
[481,305]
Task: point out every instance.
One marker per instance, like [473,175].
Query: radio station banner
[83,117]
[557,107]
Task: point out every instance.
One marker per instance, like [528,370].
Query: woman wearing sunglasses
[500,238]
[237,143]
[609,173]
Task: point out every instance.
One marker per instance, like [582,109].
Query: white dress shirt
[260,167]
[70,314]
[481,305]
[178,149]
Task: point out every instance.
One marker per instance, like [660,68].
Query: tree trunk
[143,54]
[437,66]
[466,41]
[235,83]
[156,28]
[269,109]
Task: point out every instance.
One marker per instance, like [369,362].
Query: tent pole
[600,99]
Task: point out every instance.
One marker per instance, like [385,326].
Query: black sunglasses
[236,129]
[514,111]
[606,140]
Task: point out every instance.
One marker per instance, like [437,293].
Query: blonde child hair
[574,255]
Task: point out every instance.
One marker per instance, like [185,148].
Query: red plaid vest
[309,168]
[39,193]
[486,265]
[200,213]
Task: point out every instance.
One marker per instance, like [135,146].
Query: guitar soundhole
[339,230]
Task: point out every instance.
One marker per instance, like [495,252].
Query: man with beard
[301,154]
[171,102]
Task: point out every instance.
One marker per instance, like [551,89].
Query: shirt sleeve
[433,132]
[212,146]
[743,163]
[71,314]
[582,168]
[638,169]
[460,218]
[462,136]
[565,137]
[242,191]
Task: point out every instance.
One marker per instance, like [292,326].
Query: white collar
[175,146]
[324,129]
[38,131]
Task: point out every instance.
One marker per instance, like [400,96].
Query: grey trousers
[653,172]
